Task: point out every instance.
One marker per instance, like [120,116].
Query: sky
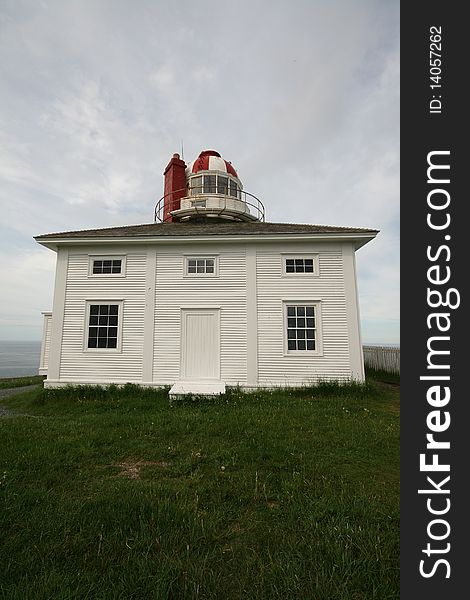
[97,95]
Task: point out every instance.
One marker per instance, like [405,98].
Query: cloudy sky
[96,96]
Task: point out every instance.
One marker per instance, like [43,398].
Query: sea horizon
[21,358]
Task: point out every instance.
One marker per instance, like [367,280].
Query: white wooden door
[200,344]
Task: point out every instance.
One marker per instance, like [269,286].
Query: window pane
[97,267]
[301,334]
[94,319]
[291,345]
[310,322]
[102,342]
[116,267]
[102,332]
[291,311]
[113,320]
[92,342]
[309,265]
[200,263]
[113,309]
[200,270]
[196,186]
[222,183]
[103,320]
[93,332]
[112,332]
[300,311]
[104,308]
[209,184]
[300,322]
[301,345]
[309,311]
[310,345]
[192,269]
[94,308]
[191,262]
[291,322]
[112,343]
[210,269]
[233,189]
[291,334]
[310,334]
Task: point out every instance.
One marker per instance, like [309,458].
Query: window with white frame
[300,264]
[301,327]
[103,325]
[201,265]
[107,266]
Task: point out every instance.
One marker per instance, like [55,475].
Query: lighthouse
[210,295]
[206,190]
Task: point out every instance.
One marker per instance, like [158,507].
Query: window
[103,325]
[200,265]
[300,264]
[107,266]
[301,322]
[214,184]
[222,185]
[195,186]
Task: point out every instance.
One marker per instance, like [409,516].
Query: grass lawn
[283,495]
[14,382]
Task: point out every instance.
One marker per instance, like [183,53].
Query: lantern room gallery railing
[247,206]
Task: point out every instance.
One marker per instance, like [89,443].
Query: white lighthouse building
[207,296]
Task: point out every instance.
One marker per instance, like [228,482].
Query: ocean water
[18,359]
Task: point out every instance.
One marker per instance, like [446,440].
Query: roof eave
[359,239]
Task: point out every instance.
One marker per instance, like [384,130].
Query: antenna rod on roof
[182,150]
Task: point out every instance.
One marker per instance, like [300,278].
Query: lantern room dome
[210,160]
[206,189]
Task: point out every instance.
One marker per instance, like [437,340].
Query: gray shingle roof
[206,229]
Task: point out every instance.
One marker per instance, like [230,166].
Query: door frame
[206,309]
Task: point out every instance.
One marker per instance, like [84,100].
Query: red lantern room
[207,188]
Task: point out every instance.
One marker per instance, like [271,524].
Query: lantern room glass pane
[196,186]
[222,185]
[233,189]
[209,184]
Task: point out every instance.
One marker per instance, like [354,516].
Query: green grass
[383,376]
[283,495]
[14,382]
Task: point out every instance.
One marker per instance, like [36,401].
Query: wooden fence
[382,358]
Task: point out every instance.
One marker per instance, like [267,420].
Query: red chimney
[175,186]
